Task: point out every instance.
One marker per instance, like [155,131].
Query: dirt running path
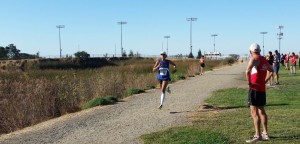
[126,121]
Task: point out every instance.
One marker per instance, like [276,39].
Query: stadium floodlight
[122,23]
[214,35]
[59,27]
[167,37]
[263,33]
[191,19]
[280,35]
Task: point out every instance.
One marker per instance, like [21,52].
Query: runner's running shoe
[160,106]
[265,136]
[254,139]
[168,90]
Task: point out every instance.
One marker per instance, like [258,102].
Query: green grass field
[229,118]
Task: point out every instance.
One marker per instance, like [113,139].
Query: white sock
[162,98]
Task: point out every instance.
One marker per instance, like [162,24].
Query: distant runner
[256,74]
[202,65]
[163,76]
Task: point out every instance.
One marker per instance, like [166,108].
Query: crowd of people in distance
[288,60]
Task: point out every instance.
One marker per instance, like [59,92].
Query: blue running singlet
[163,71]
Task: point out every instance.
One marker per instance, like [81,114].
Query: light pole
[121,23]
[191,20]
[214,35]
[263,33]
[167,37]
[280,35]
[59,27]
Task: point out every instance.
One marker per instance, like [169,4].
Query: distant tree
[124,54]
[137,54]
[235,56]
[13,52]
[3,53]
[199,54]
[130,53]
[191,55]
[105,55]
[26,56]
[82,55]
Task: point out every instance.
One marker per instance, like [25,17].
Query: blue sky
[91,25]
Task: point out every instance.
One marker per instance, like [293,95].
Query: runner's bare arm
[155,67]
[172,63]
[253,62]
[271,70]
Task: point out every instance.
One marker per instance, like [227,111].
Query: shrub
[100,101]
[150,87]
[230,60]
[133,91]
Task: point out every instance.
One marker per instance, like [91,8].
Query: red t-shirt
[258,75]
[293,59]
[287,58]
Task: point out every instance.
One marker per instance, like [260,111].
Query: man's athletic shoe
[160,107]
[265,136]
[168,90]
[253,139]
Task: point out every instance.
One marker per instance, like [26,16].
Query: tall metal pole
[122,23]
[280,34]
[214,35]
[263,33]
[167,37]
[191,20]
[59,27]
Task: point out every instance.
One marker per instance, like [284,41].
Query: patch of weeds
[133,91]
[100,101]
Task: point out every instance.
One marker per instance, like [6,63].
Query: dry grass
[27,98]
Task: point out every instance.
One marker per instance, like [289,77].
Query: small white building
[213,55]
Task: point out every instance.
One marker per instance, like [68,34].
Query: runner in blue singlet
[163,76]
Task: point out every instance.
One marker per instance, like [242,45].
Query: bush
[230,60]
[150,87]
[133,91]
[100,101]
[179,76]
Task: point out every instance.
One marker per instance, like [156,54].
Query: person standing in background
[299,60]
[282,59]
[270,59]
[276,66]
[287,61]
[293,63]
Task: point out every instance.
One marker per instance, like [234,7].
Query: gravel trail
[125,121]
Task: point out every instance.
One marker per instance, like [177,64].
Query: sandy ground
[125,121]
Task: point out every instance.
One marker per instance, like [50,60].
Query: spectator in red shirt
[293,63]
[286,61]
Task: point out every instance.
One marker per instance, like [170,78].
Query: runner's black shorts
[256,98]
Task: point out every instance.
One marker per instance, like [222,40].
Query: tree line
[12,53]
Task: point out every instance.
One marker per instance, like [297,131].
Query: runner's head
[254,48]
[163,55]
